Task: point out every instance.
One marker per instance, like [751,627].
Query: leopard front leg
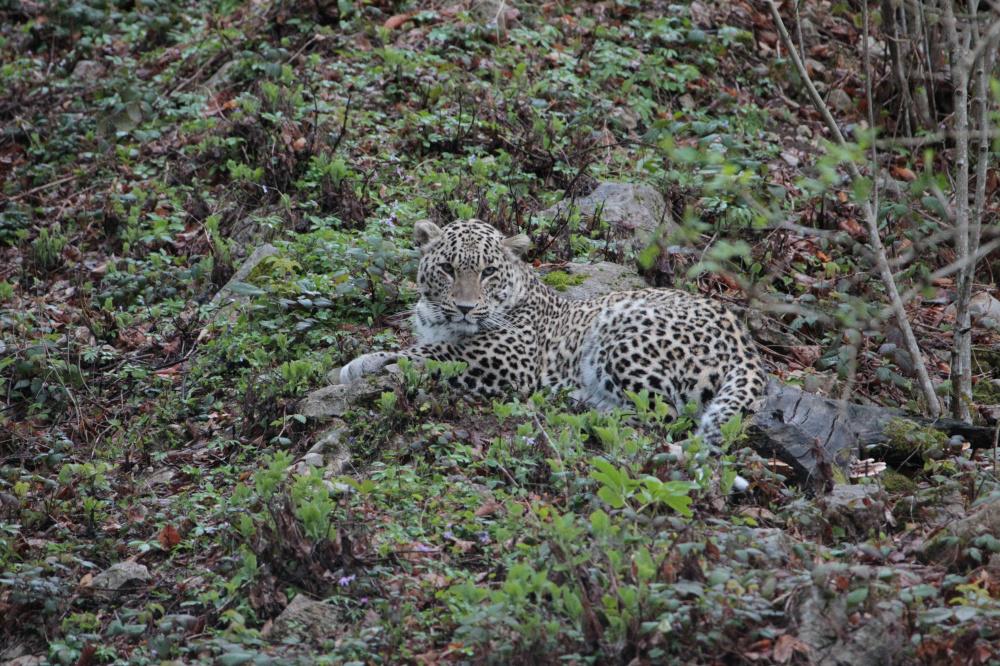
[366,364]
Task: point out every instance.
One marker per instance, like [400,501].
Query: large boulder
[585,281]
[633,212]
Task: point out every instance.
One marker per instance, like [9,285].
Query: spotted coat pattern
[481,304]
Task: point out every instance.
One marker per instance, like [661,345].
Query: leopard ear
[425,233]
[518,244]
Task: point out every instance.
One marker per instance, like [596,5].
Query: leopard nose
[465,309]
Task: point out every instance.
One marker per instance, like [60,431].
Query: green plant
[47,247]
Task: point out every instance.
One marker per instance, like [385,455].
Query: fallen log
[808,431]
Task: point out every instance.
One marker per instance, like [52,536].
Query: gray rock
[601,278]
[633,212]
[949,544]
[809,32]
[88,71]
[160,477]
[230,297]
[334,449]
[229,293]
[840,100]
[762,547]
[624,118]
[983,309]
[495,14]
[177,621]
[23,660]
[859,510]
[308,618]
[338,399]
[817,68]
[118,575]
[221,77]
[823,624]
[313,459]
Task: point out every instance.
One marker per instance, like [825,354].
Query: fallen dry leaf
[489,508]
[169,537]
[902,173]
[786,645]
[396,20]
[851,226]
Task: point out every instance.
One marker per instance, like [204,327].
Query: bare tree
[972,53]
[933,47]
[871,221]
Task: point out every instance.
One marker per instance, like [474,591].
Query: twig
[343,125]
[42,188]
[871,219]
[934,137]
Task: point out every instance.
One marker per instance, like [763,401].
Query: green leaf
[644,565]
[614,499]
[857,596]
[600,522]
[246,289]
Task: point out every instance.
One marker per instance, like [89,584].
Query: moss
[895,482]
[986,358]
[561,280]
[986,392]
[908,437]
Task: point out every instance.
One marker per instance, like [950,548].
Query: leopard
[482,304]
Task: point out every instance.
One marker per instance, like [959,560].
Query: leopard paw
[366,364]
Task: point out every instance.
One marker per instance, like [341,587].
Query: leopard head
[470,276]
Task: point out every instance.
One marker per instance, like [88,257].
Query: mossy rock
[894,482]
[986,392]
[906,437]
[561,280]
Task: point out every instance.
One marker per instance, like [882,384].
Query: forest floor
[148,507]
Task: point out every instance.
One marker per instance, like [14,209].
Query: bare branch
[871,220]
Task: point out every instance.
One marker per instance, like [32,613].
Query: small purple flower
[484,538]
[449,535]
[344,581]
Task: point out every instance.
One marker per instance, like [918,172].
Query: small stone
[858,509]
[313,459]
[790,158]
[226,294]
[816,68]
[25,660]
[118,575]
[624,118]
[307,617]
[177,621]
[160,477]
[840,100]
[88,70]
[809,32]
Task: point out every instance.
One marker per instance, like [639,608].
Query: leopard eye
[448,269]
[488,271]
